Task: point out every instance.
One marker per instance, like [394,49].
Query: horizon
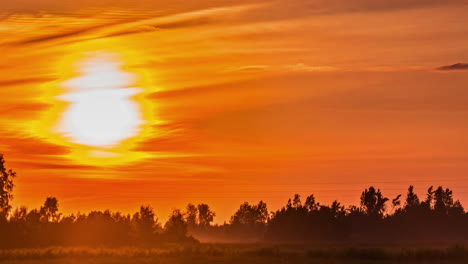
[117,104]
[161,219]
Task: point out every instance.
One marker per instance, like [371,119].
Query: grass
[235,253]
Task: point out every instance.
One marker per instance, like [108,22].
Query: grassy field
[231,253]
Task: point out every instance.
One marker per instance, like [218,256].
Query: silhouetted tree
[310,204]
[396,203]
[443,200]
[412,199]
[296,203]
[6,188]
[250,214]
[176,227]
[429,198]
[337,210]
[437,218]
[49,211]
[297,222]
[373,201]
[262,212]
[191,215]
[146,222]
[46,227]
[205,215]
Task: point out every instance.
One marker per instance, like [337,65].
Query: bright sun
[101,112]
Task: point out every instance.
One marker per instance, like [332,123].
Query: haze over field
[114,104]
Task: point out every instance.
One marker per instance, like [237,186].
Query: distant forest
[378,219]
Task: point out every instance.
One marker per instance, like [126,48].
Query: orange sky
[239,100]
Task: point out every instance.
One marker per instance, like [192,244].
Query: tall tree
[311,204]
[443,200]
[205,215]
[429,198]
[176,227]
[262,212]
[297,201]
[373,201]
[6,188]
[412,199]
[250,214]
[191,215]
[146,221]
[49,211]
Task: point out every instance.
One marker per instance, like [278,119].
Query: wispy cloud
[249,68]
[28,146]
[106,26]
[17,110]
[62,35]
[309,68]
[24,81]
[454,67]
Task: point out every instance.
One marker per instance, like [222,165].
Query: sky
[115,104]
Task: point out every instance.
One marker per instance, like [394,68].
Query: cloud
[34,6]
[170,137]
[167,6]
[25,106]
[292,10]
[249,68]
[44,165]
[299,67]
[454,67]
[383,5]
[184,23]
[20,110]
[23,81]
[78,28]
[55,36]
[307,68]
[31,146]
[63,35]
[224,12]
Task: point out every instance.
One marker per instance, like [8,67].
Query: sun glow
[101,110]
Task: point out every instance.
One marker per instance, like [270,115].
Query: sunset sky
[114,104]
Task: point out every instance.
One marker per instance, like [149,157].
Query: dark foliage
[6,189]
[48,227]
[438,218]
[378,219]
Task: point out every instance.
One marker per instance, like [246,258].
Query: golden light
[101,112]
[100,108]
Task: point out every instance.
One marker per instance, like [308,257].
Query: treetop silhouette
[438,217]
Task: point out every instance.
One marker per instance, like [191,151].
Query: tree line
[434,218]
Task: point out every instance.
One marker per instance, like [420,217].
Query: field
[236,253]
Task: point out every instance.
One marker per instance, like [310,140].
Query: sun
[100,112]
[100,109]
